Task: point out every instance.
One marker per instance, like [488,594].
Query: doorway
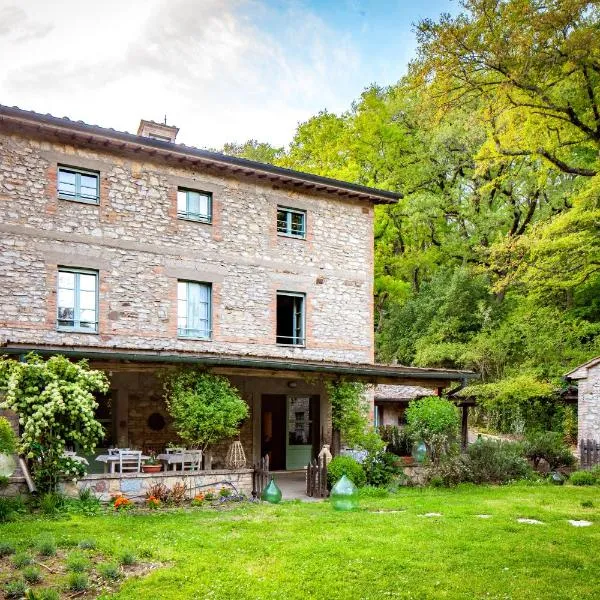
[290,428]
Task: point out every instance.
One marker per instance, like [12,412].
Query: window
[193,205]
[160,138]
[291,222]
[193,309]
[75,184]
[290,318]
[77,303]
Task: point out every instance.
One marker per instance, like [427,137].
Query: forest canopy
[491,259]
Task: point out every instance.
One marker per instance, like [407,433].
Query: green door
[300,430]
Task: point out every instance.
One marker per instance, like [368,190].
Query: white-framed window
[77,300]
[194,205]
[194,309]
[291,222]
[79,185]
[290,318]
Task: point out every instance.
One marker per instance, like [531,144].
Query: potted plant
[152,465]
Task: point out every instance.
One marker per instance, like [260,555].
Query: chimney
[158,131]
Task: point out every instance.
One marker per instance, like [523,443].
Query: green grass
[305,551]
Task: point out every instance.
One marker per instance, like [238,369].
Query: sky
[220,70]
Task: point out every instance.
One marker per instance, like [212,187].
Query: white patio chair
[130,461]
[192,460]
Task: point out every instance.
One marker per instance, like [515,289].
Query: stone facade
[140,248]
[588,405]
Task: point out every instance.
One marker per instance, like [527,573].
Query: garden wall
[134,485]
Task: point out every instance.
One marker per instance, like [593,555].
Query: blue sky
[221,70]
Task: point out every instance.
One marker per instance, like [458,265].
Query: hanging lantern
[236,458]
[419,452]
[271,493]
[344,495]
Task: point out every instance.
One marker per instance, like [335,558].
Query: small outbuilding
[587,377]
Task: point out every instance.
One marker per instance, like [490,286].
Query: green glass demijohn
[344,495]
[419,452]
[271,493]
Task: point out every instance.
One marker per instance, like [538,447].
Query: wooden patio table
[112,460]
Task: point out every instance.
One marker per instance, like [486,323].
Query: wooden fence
[589,453]
[316,478]
[260,478]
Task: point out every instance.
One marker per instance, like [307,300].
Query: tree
[205,408]
[535,64]
[253,150]
[54,400]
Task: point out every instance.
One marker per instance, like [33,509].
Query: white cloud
[221,70]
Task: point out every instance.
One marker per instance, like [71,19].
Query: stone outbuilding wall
[587,377]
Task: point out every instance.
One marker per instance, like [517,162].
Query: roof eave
[119,140]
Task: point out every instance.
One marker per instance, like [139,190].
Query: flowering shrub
[152,502]
[121,503]
[198,499]
[225,492]
[210,494]
[54,400]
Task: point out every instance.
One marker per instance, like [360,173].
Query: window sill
[194,338]
[80,200]
[194,220]
[290,345]
[76,330]
[291,236]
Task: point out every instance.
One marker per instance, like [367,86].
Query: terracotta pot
[151,468]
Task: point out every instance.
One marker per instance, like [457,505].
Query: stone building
[140,254]
[587,377]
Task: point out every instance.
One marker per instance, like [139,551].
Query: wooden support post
[465,426]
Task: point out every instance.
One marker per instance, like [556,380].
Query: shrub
[397,439]
[205,408]
[77,582]
[15,589]
[77,562]
[109,570]
[225,492]
[55,402]
[46,545]
[87,544]
[127,558]
[177,494]
[583,478]
[51,503]
[121,503]
[32,574]
[345,465]
[6,549]
[380,469]
[44,594]
[7,510]
[159,491]
[496,461]
[22,559]
[550,446]
[435,421]
[8,439]
[449,471]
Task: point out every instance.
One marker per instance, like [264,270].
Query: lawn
[386,550]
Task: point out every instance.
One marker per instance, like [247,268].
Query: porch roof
[263,366]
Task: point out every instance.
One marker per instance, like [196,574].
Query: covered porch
[289,414]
